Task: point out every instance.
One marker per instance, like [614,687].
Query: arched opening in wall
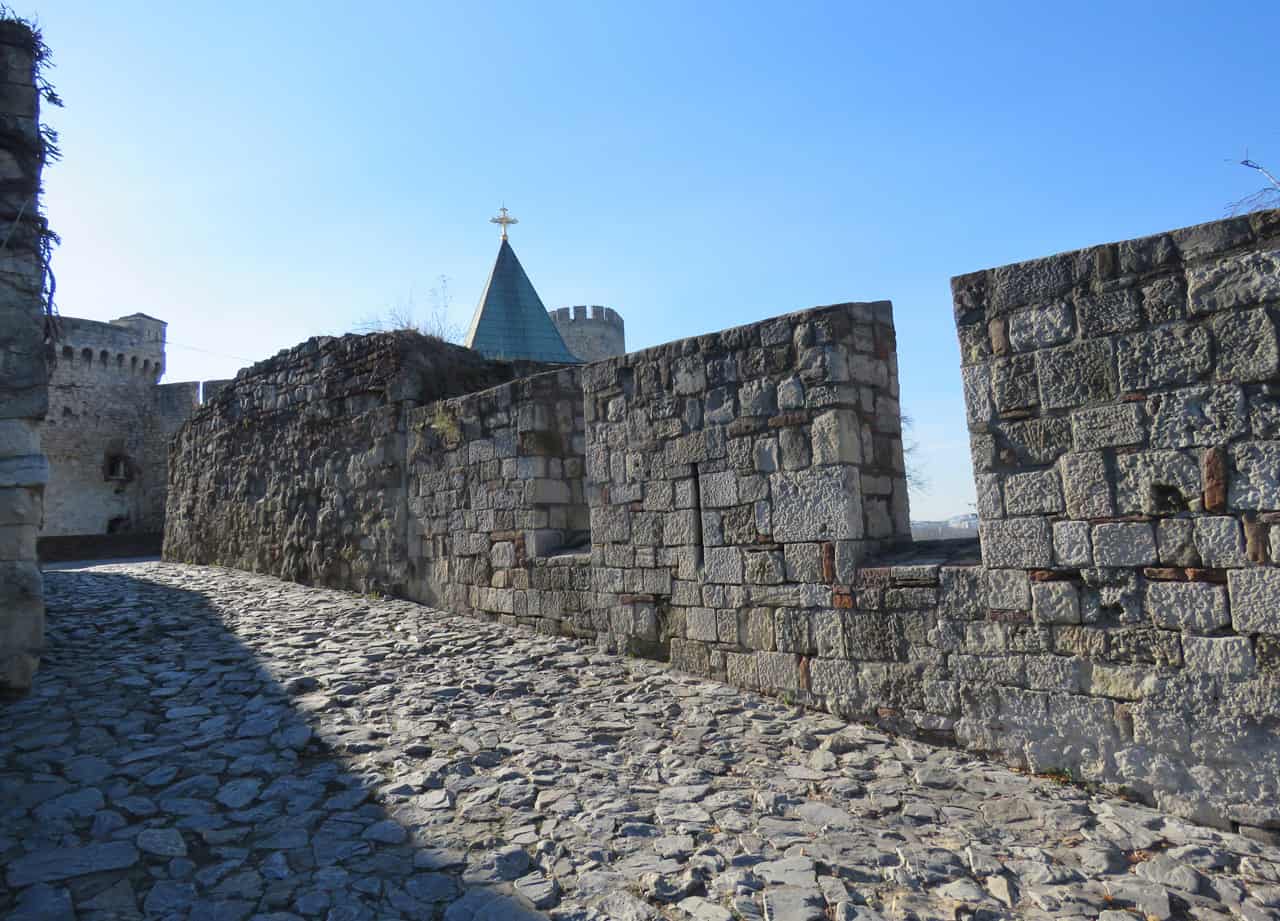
[133,364]
[146,367]
[104,356]
[86,355]
[120,360]
[68,354]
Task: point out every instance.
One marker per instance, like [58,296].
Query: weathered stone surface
[1071,545]
[1086,485]
[1017,542]
[1008,589]
[1244,280]
[1124,544]
[1076,375]
[1256,481]
[1219,541]
[1197,416]
[1247,346]
[1108,426]
[1157,483]
[1041,327]
[1056,603]
[1033,493]
[1193,607]
[1228,656]
[1164,357]
[823,503]
[1254,607]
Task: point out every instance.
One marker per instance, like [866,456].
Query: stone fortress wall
[23,364]
[748,516]
[1124,409]
[591,333]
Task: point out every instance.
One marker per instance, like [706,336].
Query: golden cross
[504,219]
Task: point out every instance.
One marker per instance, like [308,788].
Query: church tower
[510,322]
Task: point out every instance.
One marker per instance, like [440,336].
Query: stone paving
[209,744]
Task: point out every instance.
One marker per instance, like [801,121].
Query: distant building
[510,322]
[108,428]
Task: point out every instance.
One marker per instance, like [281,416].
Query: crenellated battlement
[127,348]
[581,312]
[591,333]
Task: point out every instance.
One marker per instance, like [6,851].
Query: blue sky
[257,173]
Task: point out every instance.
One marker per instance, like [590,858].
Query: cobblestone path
[208,744]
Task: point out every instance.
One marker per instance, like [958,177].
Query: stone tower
[591,337]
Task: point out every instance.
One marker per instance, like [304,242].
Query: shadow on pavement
[159,770]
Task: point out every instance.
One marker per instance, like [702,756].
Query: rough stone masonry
[736,504]
[23,375]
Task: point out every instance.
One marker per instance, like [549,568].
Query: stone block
[766,455]
[1040,327]
[1034,493]
[990,501]
[1197,416]
[1107,312]
[1192,607]
[19,437]
[1071,546]
[1166,357]
[723,565]
[718,490]
[836,438]
[1086,485]
[700,624]
[1078,374]
[1164,299]
[1255,600]
[828,634]
[758,398]
[1244,280]
[791,631]
[1108,426]
[1225,657]
[778,671]
[1033,441]
[1175,541]
[18,542]
[1055,603]
[20,505]
[740,669]
[962,592]
[803,562]
[763,567]
[1219,541]
[1123,544]
[757,629]
[978,407]
[794,448]
[1017,543]
[1014,384]
[24,470]
[1008,589]
[1122,682]
[1157,483]
[821,503]
[1055,673]
[791,394]
[1255,485]
[834,678]
[689,376]
[874,636]
[1247,347]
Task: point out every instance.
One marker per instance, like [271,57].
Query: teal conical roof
[510,322]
